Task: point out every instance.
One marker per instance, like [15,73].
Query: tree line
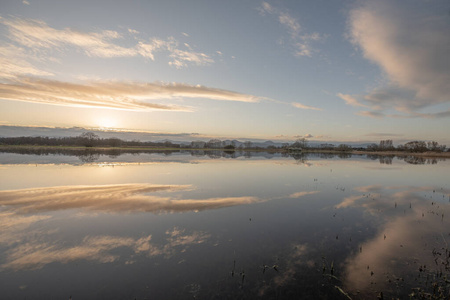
[413,146]
[86,139]
[90,139]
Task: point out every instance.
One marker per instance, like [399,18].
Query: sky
[275,70]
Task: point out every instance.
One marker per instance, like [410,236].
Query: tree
[343,147]
[300,143]
[114,142]
[373,147]
[434,146]
[386,145]
[89,139]
[416,146]
[214,143]
[248,144]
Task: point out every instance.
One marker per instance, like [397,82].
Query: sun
[105,122]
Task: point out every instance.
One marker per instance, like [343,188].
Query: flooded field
[217,225]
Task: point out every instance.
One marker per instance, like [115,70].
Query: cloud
[306,136]
[116,95]
[410,42]
[37,35]
[302,106]
[110,198]
[182,58]
[300,40]
[13,62]
[437,115]
[371,114]
[133,31]
[291,23]
[350,100]
[33,39]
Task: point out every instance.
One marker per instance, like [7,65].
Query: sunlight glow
[106,122]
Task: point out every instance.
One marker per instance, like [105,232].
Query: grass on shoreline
[133,149]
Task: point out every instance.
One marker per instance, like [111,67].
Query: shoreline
[427,154]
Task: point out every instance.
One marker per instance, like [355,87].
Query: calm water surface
[222,226]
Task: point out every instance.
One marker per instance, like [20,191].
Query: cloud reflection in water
[111,198]
[35,254]
[414,223]
[33,250]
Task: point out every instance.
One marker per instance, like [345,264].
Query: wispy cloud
[410,42]
[350,100]
[13,62]
[300,40]
[112,94]
[302,106]
[21,81]
[36,35]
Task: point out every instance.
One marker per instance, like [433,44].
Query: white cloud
[410,42]
[302,106]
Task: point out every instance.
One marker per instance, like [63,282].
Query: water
[215,225]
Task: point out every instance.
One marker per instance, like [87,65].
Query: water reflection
[35,254]
[402,255]
[410,159]
[111,198]
[309,226]
[91,156]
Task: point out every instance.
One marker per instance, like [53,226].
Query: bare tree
[386,145]
[89,138]
[300,143]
